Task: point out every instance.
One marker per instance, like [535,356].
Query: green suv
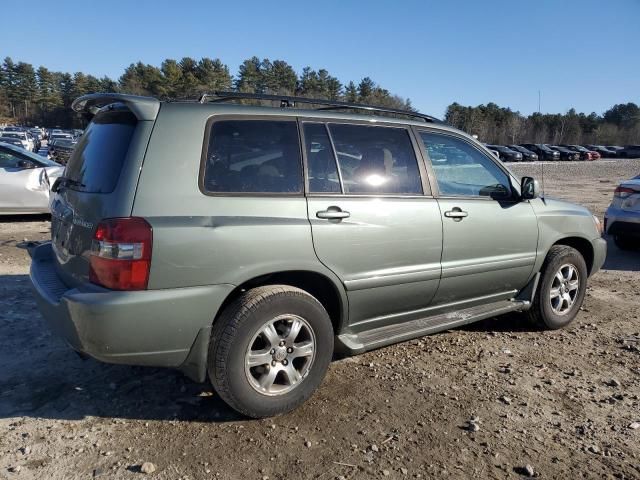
[249,245]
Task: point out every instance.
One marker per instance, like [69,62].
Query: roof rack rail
[287,101]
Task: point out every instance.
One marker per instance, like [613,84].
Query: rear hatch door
[99,182]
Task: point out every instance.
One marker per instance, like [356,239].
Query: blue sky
[579,53]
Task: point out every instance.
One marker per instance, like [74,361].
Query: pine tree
[351,92]
[250,76]
[365,89]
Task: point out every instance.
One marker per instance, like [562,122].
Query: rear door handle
[333,213]
[456,213]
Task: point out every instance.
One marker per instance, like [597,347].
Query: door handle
[333,213]
[456,213]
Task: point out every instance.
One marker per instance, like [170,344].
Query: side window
[253,156]
[376,160]
[8,160]
[462,170]
[321,163]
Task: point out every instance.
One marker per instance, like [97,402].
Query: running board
[382,336]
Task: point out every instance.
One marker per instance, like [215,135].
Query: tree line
[39,96]
[619,125]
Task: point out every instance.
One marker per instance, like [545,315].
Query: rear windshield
[98,156]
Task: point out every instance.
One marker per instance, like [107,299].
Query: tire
[244,327]
[547,312]
[624,242]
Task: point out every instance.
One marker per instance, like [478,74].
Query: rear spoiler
[144,108]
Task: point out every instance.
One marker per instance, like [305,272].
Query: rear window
[253,156]
[98,156]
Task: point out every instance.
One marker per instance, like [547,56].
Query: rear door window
[376,160]
[98,156]
[253,156]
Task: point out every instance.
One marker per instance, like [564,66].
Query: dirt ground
[556,404]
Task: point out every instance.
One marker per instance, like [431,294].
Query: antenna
[542,164]
[538,101]
[542,180]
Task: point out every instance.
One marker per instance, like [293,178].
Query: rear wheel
[563,284]
[270,350]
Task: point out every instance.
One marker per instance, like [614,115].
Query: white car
[25,181]
[26,140]
[622,218]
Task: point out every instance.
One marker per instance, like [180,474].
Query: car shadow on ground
[513,322]
[621,260]
[42,377]
[25,218]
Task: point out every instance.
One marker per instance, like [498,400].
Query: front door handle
[456,213]
[333,213]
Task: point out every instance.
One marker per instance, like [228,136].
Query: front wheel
[270,350]
[562,287]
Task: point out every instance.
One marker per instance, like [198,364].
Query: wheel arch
[325,289]
[582,245]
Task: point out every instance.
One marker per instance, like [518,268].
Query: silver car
[622,219]
[25,180]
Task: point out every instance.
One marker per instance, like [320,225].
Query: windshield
[11,141]
[13,135]
[37,159]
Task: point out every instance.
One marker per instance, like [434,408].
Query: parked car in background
[585,153]
[60,149]
[629,151]
[25,140]
[527,155]
[60,135]
[506,154]
[13,141]
[25,181]
[622,218]
[37,138]
[603,151]
[543,151]
[565,153]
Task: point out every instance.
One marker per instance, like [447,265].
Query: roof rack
[289,101]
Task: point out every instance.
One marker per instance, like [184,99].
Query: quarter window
[253,156]
[376,160]
[462,170]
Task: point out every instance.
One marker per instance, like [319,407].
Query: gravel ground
[497,399]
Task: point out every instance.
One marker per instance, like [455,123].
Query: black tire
[541,312]
[625,243]
[235,329]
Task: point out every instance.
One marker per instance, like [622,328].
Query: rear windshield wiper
[64,182]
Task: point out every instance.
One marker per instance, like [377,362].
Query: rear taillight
[623,192]
[121,254]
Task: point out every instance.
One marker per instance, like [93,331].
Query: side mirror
[25,164]
[56,184]
[529,188]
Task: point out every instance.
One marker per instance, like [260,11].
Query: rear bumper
[622,222]
[151,327]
